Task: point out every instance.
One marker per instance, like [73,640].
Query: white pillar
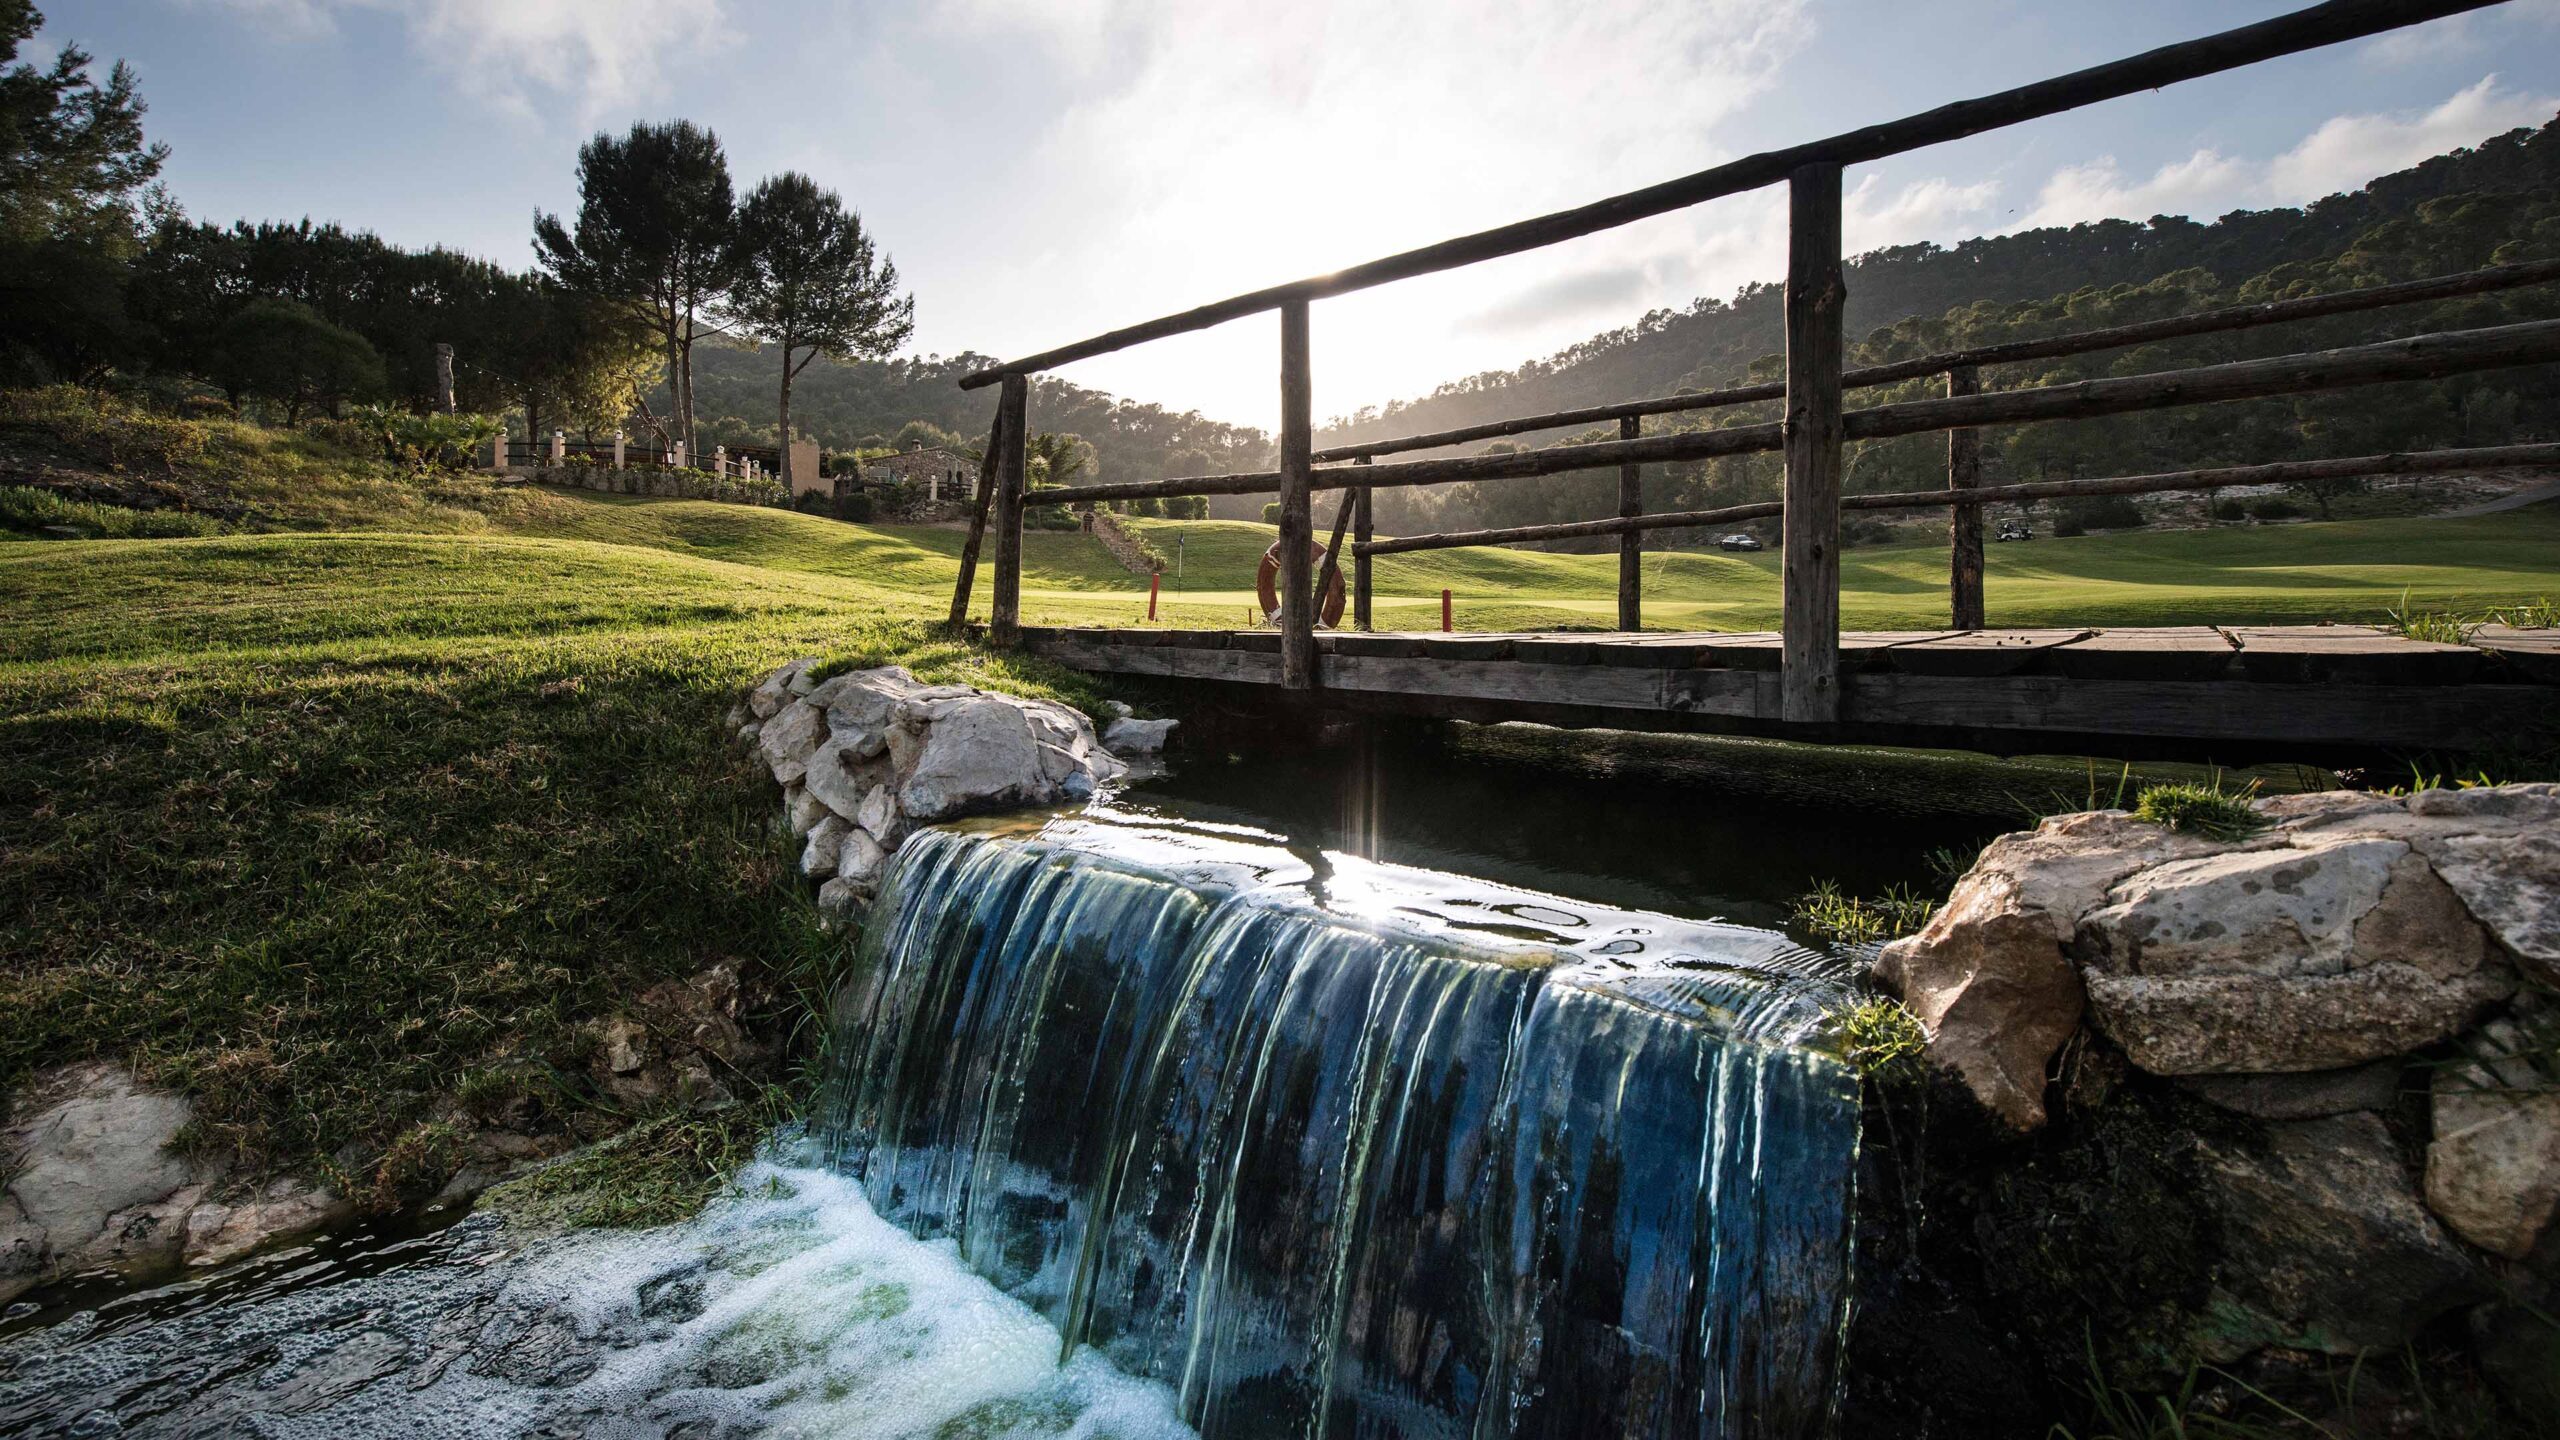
[933,486]
[498,451]
[720,460]
[559,446]
[675,454]
[619,439]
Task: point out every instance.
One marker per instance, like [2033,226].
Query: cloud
[2345,153]
[2205,182]
[2452,36]
[2348,151]
[1922,210]
[513,53]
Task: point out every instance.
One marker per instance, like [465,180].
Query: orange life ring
[1266,581]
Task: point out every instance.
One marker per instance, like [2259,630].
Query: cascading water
[1333,1148]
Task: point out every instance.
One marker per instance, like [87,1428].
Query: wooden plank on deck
[2534,654]
[1764,650]
[1979,652]
[2347,654]
[2168,652]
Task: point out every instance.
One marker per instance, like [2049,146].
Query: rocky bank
[2251,1101]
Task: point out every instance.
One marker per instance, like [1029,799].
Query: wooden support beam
[2083,342]
[2281,472]
[2307,29]
[1630,542]
[1297,441]
[1361,616]
[1964,522]
[1004,611]
[1809,681]
[1330,574]
[977,522]
[2419,357]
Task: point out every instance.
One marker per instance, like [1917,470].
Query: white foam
[788,1311]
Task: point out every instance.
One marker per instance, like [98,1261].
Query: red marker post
[1445,626]
[1155,582]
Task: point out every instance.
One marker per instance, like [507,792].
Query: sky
[1043,170]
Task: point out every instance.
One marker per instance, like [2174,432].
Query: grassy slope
[314,825]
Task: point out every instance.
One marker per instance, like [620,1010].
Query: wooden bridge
[2218,689]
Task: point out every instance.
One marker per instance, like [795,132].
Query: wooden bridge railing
[1816,425]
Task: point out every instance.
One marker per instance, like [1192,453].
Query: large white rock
[980,751]
[879,815]
[789,736]
[2493,1169]
[826,843]
[2318,955]
[859,705]
[775,691]
[840,780]
[1125,737]
[1988,977]
[92,1181]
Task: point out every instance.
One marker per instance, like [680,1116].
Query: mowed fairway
[2351,570]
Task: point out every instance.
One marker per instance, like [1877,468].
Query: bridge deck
[2225,692]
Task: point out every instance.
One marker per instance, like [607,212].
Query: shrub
[2228,510]
[2275,507]
[2097,512]
[2192,809]
[853,504]
[1271,513]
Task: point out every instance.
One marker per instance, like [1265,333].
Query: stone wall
[2257,1100]
[865,757]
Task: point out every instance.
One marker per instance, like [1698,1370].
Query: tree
[806,279]
[574,361]
[281,350]
[72,157]
[655,213]
[71,150]
[1056,460]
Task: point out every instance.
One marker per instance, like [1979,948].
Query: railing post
[1809,683]
[1297,527]
[1004,608]
[1964,522]
[1360,535]
[1630,544]
[977,521]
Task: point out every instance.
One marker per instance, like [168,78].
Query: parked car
[2015,530]
[1738,542]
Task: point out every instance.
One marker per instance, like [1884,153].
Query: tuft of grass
[1833,914]
[2440,627]
[657,1172]
[2206,810]
[416,1165]
[1884,1042]
[29,511]
[2539,614]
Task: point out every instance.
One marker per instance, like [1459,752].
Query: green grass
[26,512]
[2205,810]
[314,827]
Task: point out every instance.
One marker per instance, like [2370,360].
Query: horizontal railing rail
[2277,472]
[2227,320]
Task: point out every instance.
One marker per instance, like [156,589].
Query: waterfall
[1334,1148]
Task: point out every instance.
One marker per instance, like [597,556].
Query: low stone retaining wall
[865,757]
[2294,1093]
[1124,547]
